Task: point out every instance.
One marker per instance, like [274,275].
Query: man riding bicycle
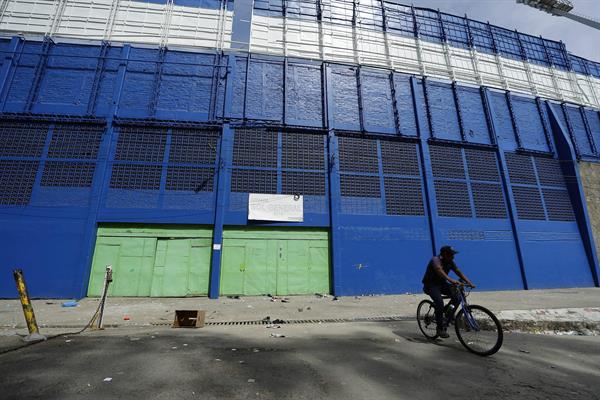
[436,283]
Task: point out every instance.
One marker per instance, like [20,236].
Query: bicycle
[477,328]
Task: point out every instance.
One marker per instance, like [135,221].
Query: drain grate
[298,321]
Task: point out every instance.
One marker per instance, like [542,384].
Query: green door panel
[318,267]
[157,262]
[233,264]
[274,261]
[199,277]
[132,260]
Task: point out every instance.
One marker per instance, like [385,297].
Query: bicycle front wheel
[479,330]
[426,319]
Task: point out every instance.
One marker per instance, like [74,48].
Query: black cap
[448,249]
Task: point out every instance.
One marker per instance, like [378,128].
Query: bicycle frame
[465,307]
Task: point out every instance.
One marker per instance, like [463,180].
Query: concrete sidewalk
[564,310]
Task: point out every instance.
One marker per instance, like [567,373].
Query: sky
[580,40]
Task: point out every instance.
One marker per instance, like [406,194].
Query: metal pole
[107,281]
[34,332]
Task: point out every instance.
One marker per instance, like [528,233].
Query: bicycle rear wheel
[479,330]
[426,319]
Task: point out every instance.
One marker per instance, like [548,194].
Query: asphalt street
[312,361]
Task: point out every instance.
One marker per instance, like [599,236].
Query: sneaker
[443,333]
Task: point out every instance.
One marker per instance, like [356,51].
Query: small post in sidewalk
[34,332]
[107,281]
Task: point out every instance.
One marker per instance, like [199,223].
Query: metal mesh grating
[141,144]
[303,151]
[190,179]
[520,169]
[400,158]
[452,199]
[75,141]
[447,162]
[132,176]
[529,203]
[360,186]
[549,171]
[255,148]
[558,205]
[22,139]
[304,183]
[253,181]
[68,174]
[403,196]
[16,181]
[482,165]
[358,155]
[488,200]
[193,146]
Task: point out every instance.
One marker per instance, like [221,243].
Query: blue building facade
[392,164]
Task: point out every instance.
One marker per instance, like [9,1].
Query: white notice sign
[276,207]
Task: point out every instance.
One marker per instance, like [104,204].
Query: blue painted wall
[95,134]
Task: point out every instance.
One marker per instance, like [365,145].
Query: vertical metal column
[508,195]
[427,173]
[224,162]
[569,167]
[225,159]
[101,178]
[8,69]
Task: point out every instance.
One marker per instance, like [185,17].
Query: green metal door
[152,261]
[274,261]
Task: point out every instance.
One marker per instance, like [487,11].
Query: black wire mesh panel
[520,169]
[193,146]
[558,205]
[447,162]
[303,151]
[482,165]
[80,141]
[360,186]
[452,199]
[22,139]
[358,155]
[403,196]
[190,179]
[549,171]
[68,174]
[135,176]
[303,183]
[529,203]
[255,148]
[488,200]
[254,181]
[400,158]
[141,144]
[16,181]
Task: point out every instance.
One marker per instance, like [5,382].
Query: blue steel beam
[104,47]
[427,173]
[8,68]
[508,194]
[459,113]
[38,74]
[225,159]
[569,166]
[335,196]
[513,119]
[547,134]
[102,172]
[588,130]
[570,130]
